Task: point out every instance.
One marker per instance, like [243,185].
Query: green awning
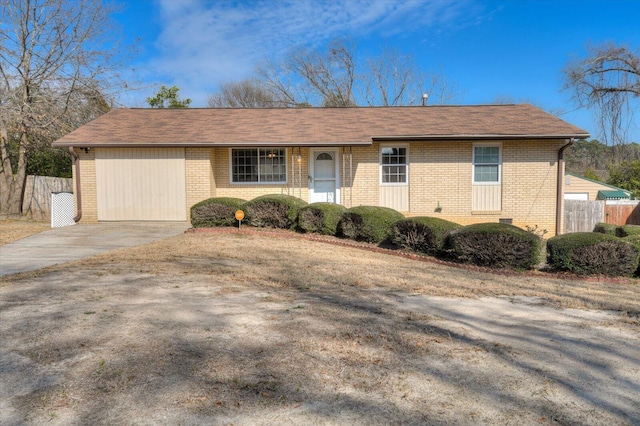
[613,194]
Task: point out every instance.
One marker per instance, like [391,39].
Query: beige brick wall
[199,176]
[366,175]
[441,176]
[530,183]
[212,160]
[88,183]
[440,180]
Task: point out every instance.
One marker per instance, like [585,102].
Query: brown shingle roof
[316,126]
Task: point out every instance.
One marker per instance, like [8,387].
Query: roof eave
[480,137]
[63,144]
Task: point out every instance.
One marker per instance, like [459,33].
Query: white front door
[323,176]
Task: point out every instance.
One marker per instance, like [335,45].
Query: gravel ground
[249,329]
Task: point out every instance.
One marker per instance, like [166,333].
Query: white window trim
[473,162]
[406,146]
[286,166]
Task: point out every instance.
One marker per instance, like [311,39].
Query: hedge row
[609,250]
[617,230]
[494,245]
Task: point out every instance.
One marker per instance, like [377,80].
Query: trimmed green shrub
[215,212]
[321,218]
[368,223]
[496,245]
[627,230]
[592,254]
[617,230]
[634,240]
[273,211]
[605,228]
[422,234]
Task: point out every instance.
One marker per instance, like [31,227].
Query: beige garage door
[141,184]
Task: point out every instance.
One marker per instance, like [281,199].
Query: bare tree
[51,69]
[441,90]
[332,77]
[607,81]
[331,74]
[250,93]
[282,84]
[392,79]
[322,77]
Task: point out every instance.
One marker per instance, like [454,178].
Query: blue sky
[490,49]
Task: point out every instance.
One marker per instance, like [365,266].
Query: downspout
[76,164]
[559,199]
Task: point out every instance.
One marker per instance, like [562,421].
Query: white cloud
[203,44]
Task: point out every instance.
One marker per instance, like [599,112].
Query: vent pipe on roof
[425,96]
[560,195]
[76,163]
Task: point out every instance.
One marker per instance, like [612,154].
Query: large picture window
[263,165]
[486,164]
[393,165]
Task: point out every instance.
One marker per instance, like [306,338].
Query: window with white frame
[393,165]
[259,165]
[486,164]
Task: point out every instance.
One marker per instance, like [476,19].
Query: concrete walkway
[60,245]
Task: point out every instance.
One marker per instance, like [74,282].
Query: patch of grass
[14,230]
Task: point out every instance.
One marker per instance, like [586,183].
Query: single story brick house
[468,164]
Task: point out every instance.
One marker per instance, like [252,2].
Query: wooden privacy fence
[582,216]
[37,195]
[622,212]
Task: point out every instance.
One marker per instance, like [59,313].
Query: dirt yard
[245,329]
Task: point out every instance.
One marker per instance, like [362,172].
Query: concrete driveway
[60,245]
